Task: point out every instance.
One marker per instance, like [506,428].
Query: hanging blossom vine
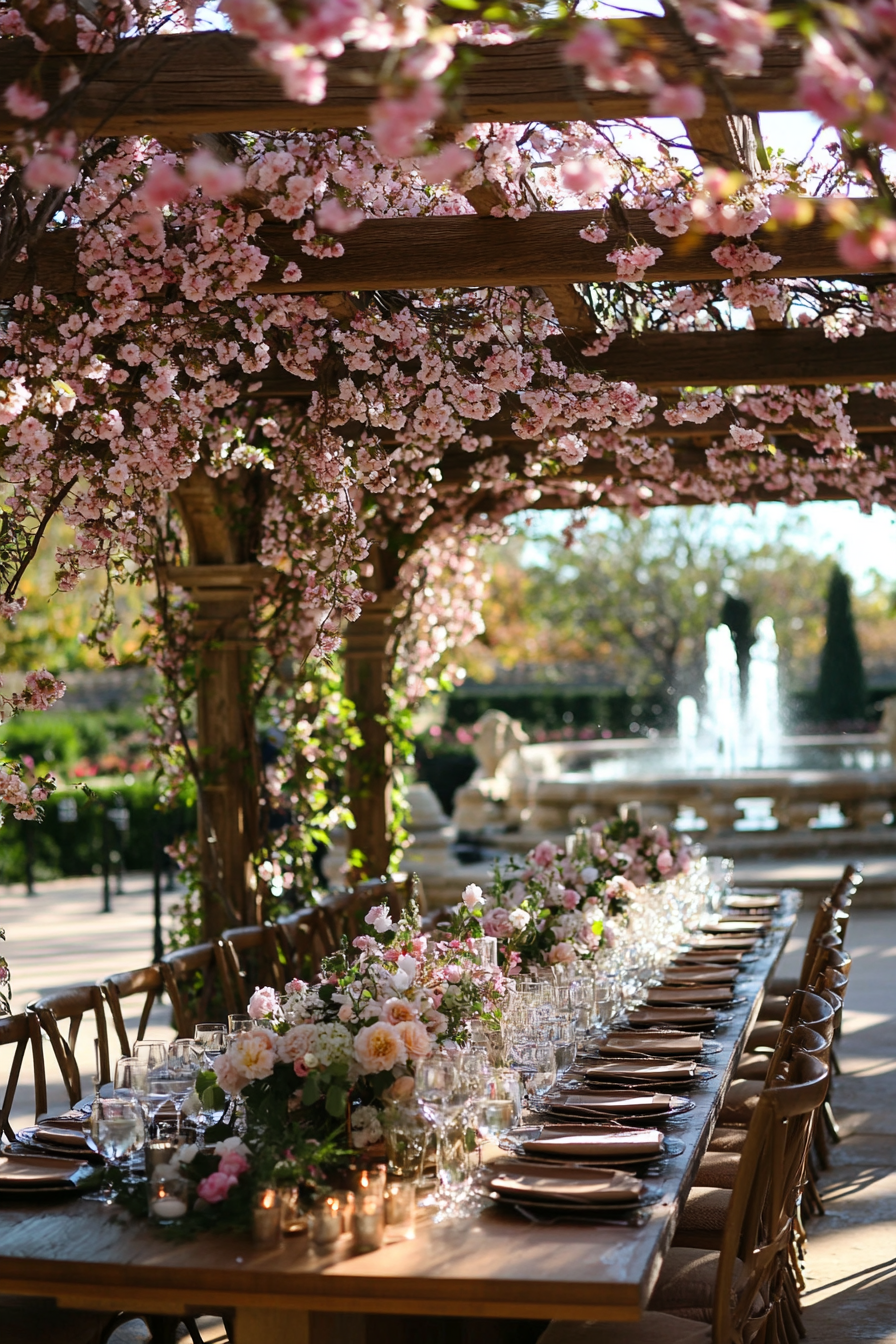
[417,421]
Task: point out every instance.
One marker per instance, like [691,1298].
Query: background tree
[842,689]
[737,614]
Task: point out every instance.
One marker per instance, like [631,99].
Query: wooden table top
[85,1255]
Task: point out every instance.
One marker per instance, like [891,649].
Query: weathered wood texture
[667,361]
[495,1266]
[436,252]
[190,84]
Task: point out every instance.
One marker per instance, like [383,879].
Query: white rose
[519,919]
[472,896]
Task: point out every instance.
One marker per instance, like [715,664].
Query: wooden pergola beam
[667,361]
[470,251]
[190,84]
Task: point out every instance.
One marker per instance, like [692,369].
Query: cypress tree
[737,614]
[842,691]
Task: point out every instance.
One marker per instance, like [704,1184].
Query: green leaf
[335,1103]
[213,1098]
[311,1090]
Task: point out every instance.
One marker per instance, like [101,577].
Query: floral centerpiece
[327,1054]
[558,905]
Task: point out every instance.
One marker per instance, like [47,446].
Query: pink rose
[214,1188]
[453,974]
[562,953]
[496,923]
[665,862]
[300,1068]
[296,987]
[570,899]
[263,1003]
[416,1039]
[232,1164]
[543,854]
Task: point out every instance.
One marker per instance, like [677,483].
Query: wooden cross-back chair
[745,1291]
[193,982]
[126,985]
[21,1033]
[304,938]
[70,1006]
[251,956]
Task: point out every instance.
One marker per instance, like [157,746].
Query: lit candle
[169,1197]
[369,1223]
[326,1222]
[401,1203]
[266,1219]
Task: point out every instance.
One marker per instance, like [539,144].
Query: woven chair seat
[774,1006]
[687,1284]
[718,1170]
[702,1220]
[727,1140]
[763,1037]
[754,1067]
[655,1327]
[741,1100]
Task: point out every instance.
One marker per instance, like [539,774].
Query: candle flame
[268,1198]
[364,1180]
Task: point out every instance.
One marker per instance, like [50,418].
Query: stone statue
[497,739]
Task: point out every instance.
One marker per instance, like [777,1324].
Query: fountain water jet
[762,725]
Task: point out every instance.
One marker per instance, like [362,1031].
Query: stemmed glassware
[116,1132]
[443,1094]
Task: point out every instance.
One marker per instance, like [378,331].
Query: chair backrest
[806,1012]
[129,984]
[304,937]
[250,956]
[20,1032]
[70,1006]
[191,977]
[758,1229]
[824,922]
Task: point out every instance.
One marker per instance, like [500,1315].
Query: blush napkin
[605,1143]
[531,1181]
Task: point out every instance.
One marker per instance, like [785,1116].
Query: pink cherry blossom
[24,102]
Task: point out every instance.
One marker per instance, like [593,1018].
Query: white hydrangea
[333,1045]
[366,1127]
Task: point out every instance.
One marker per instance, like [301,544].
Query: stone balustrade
[523,810]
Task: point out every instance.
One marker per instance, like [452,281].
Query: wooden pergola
[176,88]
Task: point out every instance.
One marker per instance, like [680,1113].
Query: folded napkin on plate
[708,956]
[689,994]
[49,1132]
[603,1142]
[579,1103]
[660,1071]
[651,1043]
[726,943]
[737,901]
[68,1120]
[700,975]
[666,1017]
[529,1181]
[33,1172]
[735,924]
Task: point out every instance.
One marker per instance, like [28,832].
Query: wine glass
[534,1059]
[174,1085]
[116,1132]
[239,1022]
[440,1088]
[151,1053]
[131,1075]
[212,1038]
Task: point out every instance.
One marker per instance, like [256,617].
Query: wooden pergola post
[221,580]
[368,651]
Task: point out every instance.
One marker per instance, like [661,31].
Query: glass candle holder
[369,1181]
[169,1197]
[327,1219]
[160,1153]
[292,1218]
[400,1203]
[406,1135]
[369,1223]
[266,1218]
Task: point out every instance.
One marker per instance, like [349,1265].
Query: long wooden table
[86,1256]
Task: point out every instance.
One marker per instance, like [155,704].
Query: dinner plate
[577,1211]
[677,1106]
[33,1177]
[670,1148]
[26,1141]
[670,1016]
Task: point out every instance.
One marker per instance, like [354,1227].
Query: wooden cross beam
[667,361]
[190,84]
[466,251]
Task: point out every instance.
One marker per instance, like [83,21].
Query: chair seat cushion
[754,1067]
[741,1100]
[718,1170]
[774,1006]
[764,1036]
[687,1284]
[705,1209]
[727,1140]
[655,1327]
[37,1320]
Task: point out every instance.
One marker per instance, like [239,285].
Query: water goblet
[151,1053]
[211,1037]
[239,1022]
[116,1132]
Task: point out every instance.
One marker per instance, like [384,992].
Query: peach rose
[295,1043]
[379,1048]
[254,1053]
[398,1010]
[417,1040]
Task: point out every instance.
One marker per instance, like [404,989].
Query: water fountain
[722,715]
[762,721]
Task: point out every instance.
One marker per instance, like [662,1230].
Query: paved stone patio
[59,937]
